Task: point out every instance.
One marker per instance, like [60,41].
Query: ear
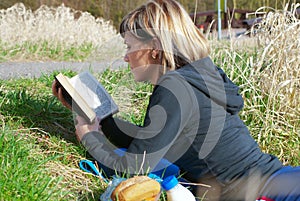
[156,47]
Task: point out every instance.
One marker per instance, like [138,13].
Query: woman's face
[144,63]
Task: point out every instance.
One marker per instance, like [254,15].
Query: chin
[139,79]
[141,73]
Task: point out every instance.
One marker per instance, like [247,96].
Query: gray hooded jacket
[191,120]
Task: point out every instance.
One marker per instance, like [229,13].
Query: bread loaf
[138,188]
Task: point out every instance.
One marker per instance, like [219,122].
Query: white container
[175,191]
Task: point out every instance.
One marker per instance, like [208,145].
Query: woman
[192,117]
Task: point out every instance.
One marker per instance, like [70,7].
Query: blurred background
[114,10]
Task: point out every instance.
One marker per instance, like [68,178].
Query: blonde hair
[166,20]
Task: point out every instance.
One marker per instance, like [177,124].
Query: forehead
[129,38]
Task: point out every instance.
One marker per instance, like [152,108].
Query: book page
[87,90]
[94,94]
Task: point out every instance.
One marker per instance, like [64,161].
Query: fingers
[57,91]
[55,88]
[62,99]
[83,127]
[97,121]
[81,121]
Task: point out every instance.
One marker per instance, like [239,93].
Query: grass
[37,51]
[55,33]
[40,155]
[270,84]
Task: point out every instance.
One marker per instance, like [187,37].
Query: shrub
[55,31]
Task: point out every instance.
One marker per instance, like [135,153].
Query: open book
[87,96]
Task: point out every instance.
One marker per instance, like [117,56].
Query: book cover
[87,96]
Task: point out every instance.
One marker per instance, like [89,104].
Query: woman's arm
[117,131]
[168,113]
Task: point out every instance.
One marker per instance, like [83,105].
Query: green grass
[132,97]
[45,51]
[24,176]
[40,154]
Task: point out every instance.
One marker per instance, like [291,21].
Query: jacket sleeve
[112,129]
[168,112]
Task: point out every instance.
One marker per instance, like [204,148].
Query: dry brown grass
[277,71]
[51,30]
[269,77]
[278,77]
[74,184]
[55,25]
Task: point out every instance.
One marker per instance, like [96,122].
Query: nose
[126,59]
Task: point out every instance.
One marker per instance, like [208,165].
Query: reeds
[54,29]
[277,74]
[269,77]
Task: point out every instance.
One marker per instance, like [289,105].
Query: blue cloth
[284,184]
[111,187]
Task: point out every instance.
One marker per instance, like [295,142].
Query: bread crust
[138,188]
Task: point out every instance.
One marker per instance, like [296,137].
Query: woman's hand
[82,127]
[57,91]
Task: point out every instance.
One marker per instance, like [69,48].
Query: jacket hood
[214,83]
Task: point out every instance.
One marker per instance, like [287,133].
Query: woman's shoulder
[172,79]
[179,74]
[176,84]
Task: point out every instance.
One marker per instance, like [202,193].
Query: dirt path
[10,70]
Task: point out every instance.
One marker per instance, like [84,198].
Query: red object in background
[263,198]
[201,27]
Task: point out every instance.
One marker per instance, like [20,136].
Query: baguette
[138,188]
